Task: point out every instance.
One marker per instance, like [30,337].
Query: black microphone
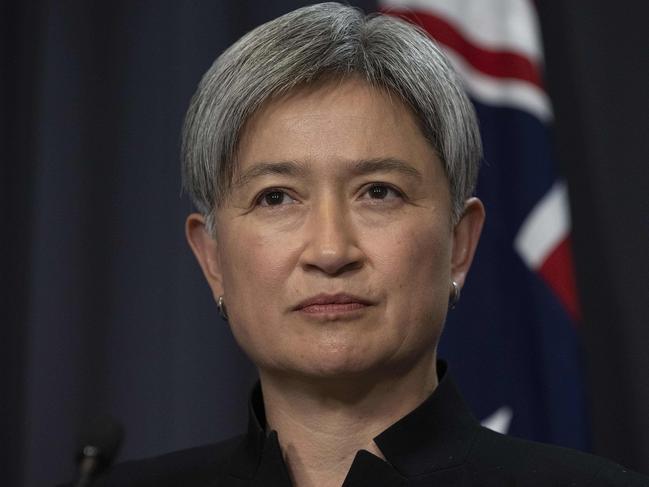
[98,446]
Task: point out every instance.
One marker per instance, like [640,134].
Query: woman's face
[337,196]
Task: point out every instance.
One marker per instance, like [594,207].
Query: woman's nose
[332,245]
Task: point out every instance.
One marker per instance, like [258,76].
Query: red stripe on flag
[499,64]
[557,272]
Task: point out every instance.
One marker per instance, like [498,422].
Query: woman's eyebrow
[289,168]
[385,164]
[356,168]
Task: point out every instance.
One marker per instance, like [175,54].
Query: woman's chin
[336,365]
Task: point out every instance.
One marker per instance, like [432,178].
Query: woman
[332,158]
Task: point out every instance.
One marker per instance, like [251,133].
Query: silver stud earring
[454,296]
[220,304]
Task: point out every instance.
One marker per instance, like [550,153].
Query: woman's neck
[321,424]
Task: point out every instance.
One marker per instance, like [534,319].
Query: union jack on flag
[512,342]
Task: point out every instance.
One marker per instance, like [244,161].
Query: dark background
[103,307]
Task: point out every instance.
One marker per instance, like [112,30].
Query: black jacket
[438,444]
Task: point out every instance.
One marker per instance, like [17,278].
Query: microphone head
[100,439]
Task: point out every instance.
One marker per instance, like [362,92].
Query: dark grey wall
[598,76]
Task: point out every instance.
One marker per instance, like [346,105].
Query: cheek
[255,271]
[254,275]
[415,265]
[410,254]
[431,255]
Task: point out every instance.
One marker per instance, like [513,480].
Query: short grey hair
[328,40]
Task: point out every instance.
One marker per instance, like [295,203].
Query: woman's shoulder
[183,467]
[543,464]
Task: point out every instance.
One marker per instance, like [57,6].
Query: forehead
[327,126]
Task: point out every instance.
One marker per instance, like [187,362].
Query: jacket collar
[437,435]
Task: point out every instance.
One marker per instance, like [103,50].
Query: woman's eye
[381,192]
[274,197]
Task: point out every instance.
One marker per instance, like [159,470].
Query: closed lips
[339,301]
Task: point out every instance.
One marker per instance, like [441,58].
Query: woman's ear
[205,248]
[465,239]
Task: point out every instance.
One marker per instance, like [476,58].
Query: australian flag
[512,341]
